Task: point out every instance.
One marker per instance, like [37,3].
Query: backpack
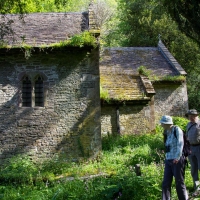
[186,144]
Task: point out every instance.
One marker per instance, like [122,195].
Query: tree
[187,15]
[102,12]
[141,22]
[30,6]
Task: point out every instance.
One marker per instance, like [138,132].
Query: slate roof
[37,29]
[119,75]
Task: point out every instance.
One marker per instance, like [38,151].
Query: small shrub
[104,95]
[18,169]
[144,71]
[83,39]
[181,122]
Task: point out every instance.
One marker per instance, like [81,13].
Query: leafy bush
[181,122]
[19,169]
[83,39]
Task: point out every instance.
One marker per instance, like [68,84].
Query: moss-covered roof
[38,29]
[119,74]
[122,87]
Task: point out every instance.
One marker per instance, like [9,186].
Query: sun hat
[166,119]
[191,112]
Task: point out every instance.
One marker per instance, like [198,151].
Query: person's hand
[175,161]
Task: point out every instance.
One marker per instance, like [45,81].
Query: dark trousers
[194,159]
[178,172]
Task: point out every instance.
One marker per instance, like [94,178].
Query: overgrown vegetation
[104,95]
[79,40]
[84,39]
[179,78]
[113,172]
[142,70]
[32,6]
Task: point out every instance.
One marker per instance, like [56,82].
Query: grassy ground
[111,176]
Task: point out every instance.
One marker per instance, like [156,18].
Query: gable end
[173,62]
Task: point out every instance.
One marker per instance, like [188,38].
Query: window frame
[33,79]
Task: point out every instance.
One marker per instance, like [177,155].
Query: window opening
[26,92]
[39,92]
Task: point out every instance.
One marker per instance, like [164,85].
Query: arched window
[26,92]
[39,92]
[32,91]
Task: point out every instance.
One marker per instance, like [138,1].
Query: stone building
[134,103]
[49,91]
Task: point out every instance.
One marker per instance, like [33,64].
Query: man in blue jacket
[174,161]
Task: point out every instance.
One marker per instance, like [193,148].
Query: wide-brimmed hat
[166,120]
[191,112]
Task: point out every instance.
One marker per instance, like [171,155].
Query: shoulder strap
[190,127]
[175,132]
[164,136]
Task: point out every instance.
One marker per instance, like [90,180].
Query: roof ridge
[170,58]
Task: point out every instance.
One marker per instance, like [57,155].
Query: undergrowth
[111,176]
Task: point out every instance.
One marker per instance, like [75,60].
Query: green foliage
[187,15]
[179,78]
[181,122]
[193,81]
[32,6]
[83,39]
[137,19]
[19,169]
[104,95]
[8,6]
[144,71]
[79,40]
[174,78]
[115,167]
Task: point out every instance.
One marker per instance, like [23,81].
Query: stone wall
[133,119]
[69,123]
[108,120]
[170,99]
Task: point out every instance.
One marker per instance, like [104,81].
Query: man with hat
[174,161]
[193,135]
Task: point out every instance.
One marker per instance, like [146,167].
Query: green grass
[20,179]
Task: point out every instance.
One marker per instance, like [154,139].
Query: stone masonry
[170,99]
[69,123]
